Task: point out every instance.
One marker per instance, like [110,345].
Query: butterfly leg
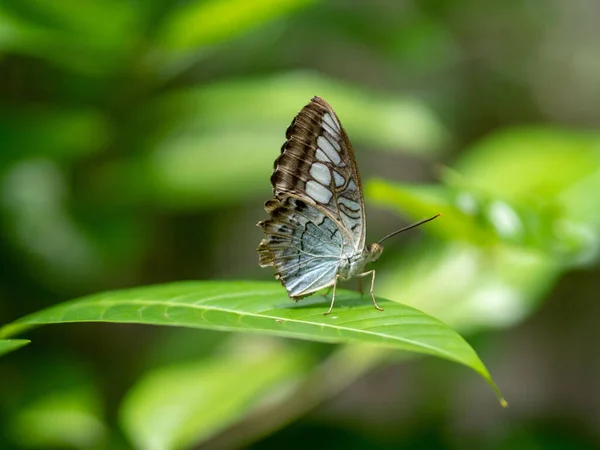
[372,273]
[333,296]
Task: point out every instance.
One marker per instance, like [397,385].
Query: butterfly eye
[374,251]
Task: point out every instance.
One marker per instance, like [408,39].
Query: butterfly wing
[302,243]
[317,165]
[317,215]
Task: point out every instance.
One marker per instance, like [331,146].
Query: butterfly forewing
[317,164]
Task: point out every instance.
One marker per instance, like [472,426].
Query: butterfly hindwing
[317,164]
[303,245]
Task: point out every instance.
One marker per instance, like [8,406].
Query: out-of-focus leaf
[525,195]
[68,418]
[176,406]
[108,22]
[324,381]
[531,162]
[494,262]
[59,134]
[13,32]
[542,166]
[202,22]
[468,286]
[195,172]
[216,144]
[55,39]
[54,247]
[476,217]
[9,345]
[82,35]
[265,308]
[371,119]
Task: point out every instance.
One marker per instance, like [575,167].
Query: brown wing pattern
[317,165]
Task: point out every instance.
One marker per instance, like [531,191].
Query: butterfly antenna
[408,228]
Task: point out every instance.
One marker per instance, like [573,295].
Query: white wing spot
[339,180]
[334,143]
[331,121]
[318,192]
[330,130]
[321,173]
[329,150]
[321,156]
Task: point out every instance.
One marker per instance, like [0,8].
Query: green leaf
[180,405]
[186,167]
[205,22]
[59,133]
[517,162]
[84,36]
[9,345]
[265,308]
[555,169]
[496,259]
[40,226]
[191,171]
[472,215]
[68,418]
[371,118]
[476,288]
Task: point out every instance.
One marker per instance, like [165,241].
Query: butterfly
[317,227]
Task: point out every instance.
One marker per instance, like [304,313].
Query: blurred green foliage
[136,143]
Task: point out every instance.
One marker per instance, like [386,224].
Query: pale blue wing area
[304,245]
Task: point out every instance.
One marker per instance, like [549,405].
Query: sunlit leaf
[198,23]
[194,172]
[475,216]
[265,308]
[176,406]
[516,215]
[470,287]
[9,345]
[551,167]
[398,122]
[483,276]
[531,162]
[189,131]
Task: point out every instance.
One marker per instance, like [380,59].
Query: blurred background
[136,144]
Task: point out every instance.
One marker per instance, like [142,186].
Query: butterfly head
[374,252]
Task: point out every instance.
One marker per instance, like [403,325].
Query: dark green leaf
[9,345]
[68,418]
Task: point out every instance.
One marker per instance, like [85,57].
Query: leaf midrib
[262,316]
